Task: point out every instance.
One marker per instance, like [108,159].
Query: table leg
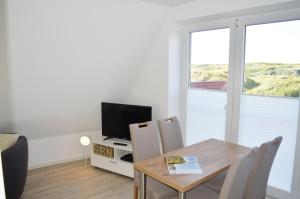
[143,186]
[181,195]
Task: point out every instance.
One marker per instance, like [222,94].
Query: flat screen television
[117,117]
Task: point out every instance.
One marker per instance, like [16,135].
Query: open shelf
[109,158]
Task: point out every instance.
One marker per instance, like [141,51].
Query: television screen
[117,117]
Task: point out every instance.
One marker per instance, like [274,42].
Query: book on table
[183,165]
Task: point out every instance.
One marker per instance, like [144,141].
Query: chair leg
[136,191]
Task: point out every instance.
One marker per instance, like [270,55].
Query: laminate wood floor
[75,181]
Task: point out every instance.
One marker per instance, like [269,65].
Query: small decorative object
[85,141]
[102,150]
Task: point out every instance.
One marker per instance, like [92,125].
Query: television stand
[106,154]
[121,144]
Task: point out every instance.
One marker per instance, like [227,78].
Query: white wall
[5,106]
[66,56]
[151,86]
[212,7]
[57,149]
[169,2]
[155,84]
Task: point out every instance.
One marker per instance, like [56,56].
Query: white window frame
[235,78]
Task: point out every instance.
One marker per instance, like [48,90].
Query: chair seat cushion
[7,140]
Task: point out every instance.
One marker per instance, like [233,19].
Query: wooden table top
[214,156]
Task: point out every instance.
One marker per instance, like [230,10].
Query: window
[272,59]
[271,68]
[255,63]
[209,59]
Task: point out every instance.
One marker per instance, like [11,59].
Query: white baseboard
[55,150]
[54,163]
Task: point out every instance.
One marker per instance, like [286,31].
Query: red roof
[213,85]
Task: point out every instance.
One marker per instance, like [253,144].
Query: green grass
[268,79]
[209,72]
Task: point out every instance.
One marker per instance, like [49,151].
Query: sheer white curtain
[262,119]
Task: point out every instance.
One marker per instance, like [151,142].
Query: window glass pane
[272,59]
[209,59]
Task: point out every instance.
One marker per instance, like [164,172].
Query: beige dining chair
[146,144]
[170,134]
[235,181]
[258,180]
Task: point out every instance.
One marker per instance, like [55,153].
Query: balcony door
[244,87]
[208,87]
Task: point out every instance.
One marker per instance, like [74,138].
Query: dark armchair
[15,166]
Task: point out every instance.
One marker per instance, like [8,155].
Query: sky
[275,43]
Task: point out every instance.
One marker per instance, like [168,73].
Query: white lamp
[2,190]
[85,141]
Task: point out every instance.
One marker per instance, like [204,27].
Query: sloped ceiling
[170,2]
[67,56]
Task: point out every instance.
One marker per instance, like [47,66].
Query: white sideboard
[114,164]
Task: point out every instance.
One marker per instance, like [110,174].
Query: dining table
[214,157]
